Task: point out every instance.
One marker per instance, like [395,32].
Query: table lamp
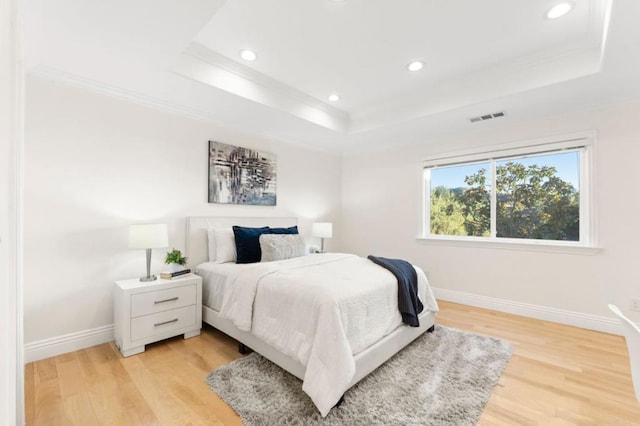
[322,230]
[148,236]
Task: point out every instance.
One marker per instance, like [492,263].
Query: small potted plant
[175,260]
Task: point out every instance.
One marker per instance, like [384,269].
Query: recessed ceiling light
[415,65]
[248,55]
[333,97]
[559,10]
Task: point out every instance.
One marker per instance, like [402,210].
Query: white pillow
[211,244]
[281,246]
[222,245]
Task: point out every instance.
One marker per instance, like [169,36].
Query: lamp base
[148,278]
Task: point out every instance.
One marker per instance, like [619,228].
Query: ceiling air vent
[487,117]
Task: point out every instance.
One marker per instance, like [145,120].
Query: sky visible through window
[566,164]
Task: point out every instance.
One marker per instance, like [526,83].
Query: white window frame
[585,141]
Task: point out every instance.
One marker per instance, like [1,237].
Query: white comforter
[320,310]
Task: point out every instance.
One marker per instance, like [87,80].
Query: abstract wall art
[240,175]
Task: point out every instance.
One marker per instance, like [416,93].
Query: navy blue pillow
[248,243]
[292,230]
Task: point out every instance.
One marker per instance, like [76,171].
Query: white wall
[95,164]
[381,200]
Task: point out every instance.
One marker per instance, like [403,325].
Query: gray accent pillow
[281,246]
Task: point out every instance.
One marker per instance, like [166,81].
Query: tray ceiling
[491,54]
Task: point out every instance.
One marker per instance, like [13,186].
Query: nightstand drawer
[158,301]
[162,322]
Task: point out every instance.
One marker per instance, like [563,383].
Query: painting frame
[241,176]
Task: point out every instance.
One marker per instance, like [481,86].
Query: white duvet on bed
[216,278]
[320,310]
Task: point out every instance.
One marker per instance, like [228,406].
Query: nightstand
[146,312]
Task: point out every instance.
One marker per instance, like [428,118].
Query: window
[535,193]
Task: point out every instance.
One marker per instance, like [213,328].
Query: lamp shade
[148,236]
[322,229]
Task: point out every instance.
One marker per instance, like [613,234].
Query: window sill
[548,247]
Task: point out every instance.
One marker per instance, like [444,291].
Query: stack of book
[171,275]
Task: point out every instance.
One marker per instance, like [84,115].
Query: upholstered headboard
[196,235]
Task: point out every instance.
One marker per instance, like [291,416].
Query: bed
[327,348]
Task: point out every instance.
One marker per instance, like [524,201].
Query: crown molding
[208,67]
[199,51]
[77,81]
[73,80]
[538,69]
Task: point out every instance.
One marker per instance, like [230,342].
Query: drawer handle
[166,300]
[166,322]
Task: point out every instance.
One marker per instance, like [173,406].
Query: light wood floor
[559,375]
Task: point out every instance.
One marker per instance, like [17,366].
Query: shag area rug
[442,378]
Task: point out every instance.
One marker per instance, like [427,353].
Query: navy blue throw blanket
[409,304]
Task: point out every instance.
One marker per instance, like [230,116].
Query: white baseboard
[577,319]
[47,348]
